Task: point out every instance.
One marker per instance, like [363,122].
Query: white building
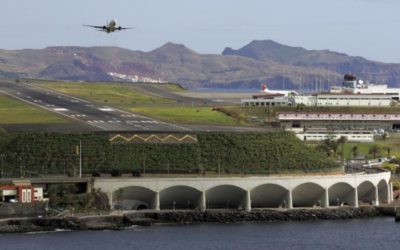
[38,194]
[340,121]
[350,84]
[322,134]
[345,100]
[273,102]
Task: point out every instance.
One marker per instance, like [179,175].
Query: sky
[367,28]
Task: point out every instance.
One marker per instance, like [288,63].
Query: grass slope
[120,95]
[131,99]
[184,114]
[232,153]
[17,112]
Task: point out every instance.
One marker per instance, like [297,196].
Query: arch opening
[383,189]
[308,195]
[366,193]
[341,194]
[225,197]
[180,197]
[133,198]
[269,196]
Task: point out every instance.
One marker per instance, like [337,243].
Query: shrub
[115,172]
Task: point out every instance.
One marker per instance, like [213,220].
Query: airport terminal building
[360,127]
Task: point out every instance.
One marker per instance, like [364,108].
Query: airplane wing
[124,28]
[93,26]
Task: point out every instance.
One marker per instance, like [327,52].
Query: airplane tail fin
[264,87]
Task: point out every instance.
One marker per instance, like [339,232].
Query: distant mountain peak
[173,48]
[265,50]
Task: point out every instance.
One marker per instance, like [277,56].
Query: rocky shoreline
[147,218]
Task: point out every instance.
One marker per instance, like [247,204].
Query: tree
[385,136]
[329,145]
[354,151]
[374,150]
[341,141]
[388,150]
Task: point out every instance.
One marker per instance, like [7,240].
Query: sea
[375,233]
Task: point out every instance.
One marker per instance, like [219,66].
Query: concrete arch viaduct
[247,193]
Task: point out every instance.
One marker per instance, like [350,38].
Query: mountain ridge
[247,67]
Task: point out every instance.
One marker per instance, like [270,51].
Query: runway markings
[106,109]
[128,115]
[60,109]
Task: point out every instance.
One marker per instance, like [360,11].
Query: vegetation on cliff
[241,153]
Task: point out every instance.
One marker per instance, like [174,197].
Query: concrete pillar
[389,199]
[355,197]
[391,192]
[157,201]
[376,201]
[290,199]
[325,200]
[203,205]
[110,199]
[248,201]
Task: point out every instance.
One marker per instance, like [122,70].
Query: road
[97,116]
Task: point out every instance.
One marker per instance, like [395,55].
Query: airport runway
[97,116]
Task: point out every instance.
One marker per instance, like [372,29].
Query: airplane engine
[104,27]
[119,28]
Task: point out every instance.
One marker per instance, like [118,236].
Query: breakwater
[147,218]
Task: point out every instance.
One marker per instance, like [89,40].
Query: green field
[173,87]
[129,98]
[392,143]
[187,114]
[17,112]
[270,113]
[121,95]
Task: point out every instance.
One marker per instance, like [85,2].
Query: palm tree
[354,151]
[341,141]
[374,150]
[388,150]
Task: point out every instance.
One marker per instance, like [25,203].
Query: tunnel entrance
[133,198]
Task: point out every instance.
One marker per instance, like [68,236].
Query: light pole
[80,158]
[20,166]
[2,169]
[144,164]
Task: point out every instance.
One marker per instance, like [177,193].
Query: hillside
[251,153]
[268,50]
[257,62]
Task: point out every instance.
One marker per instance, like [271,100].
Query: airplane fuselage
[109,27]
[264,89]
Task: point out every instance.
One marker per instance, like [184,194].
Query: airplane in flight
[109,27]
[265,89]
